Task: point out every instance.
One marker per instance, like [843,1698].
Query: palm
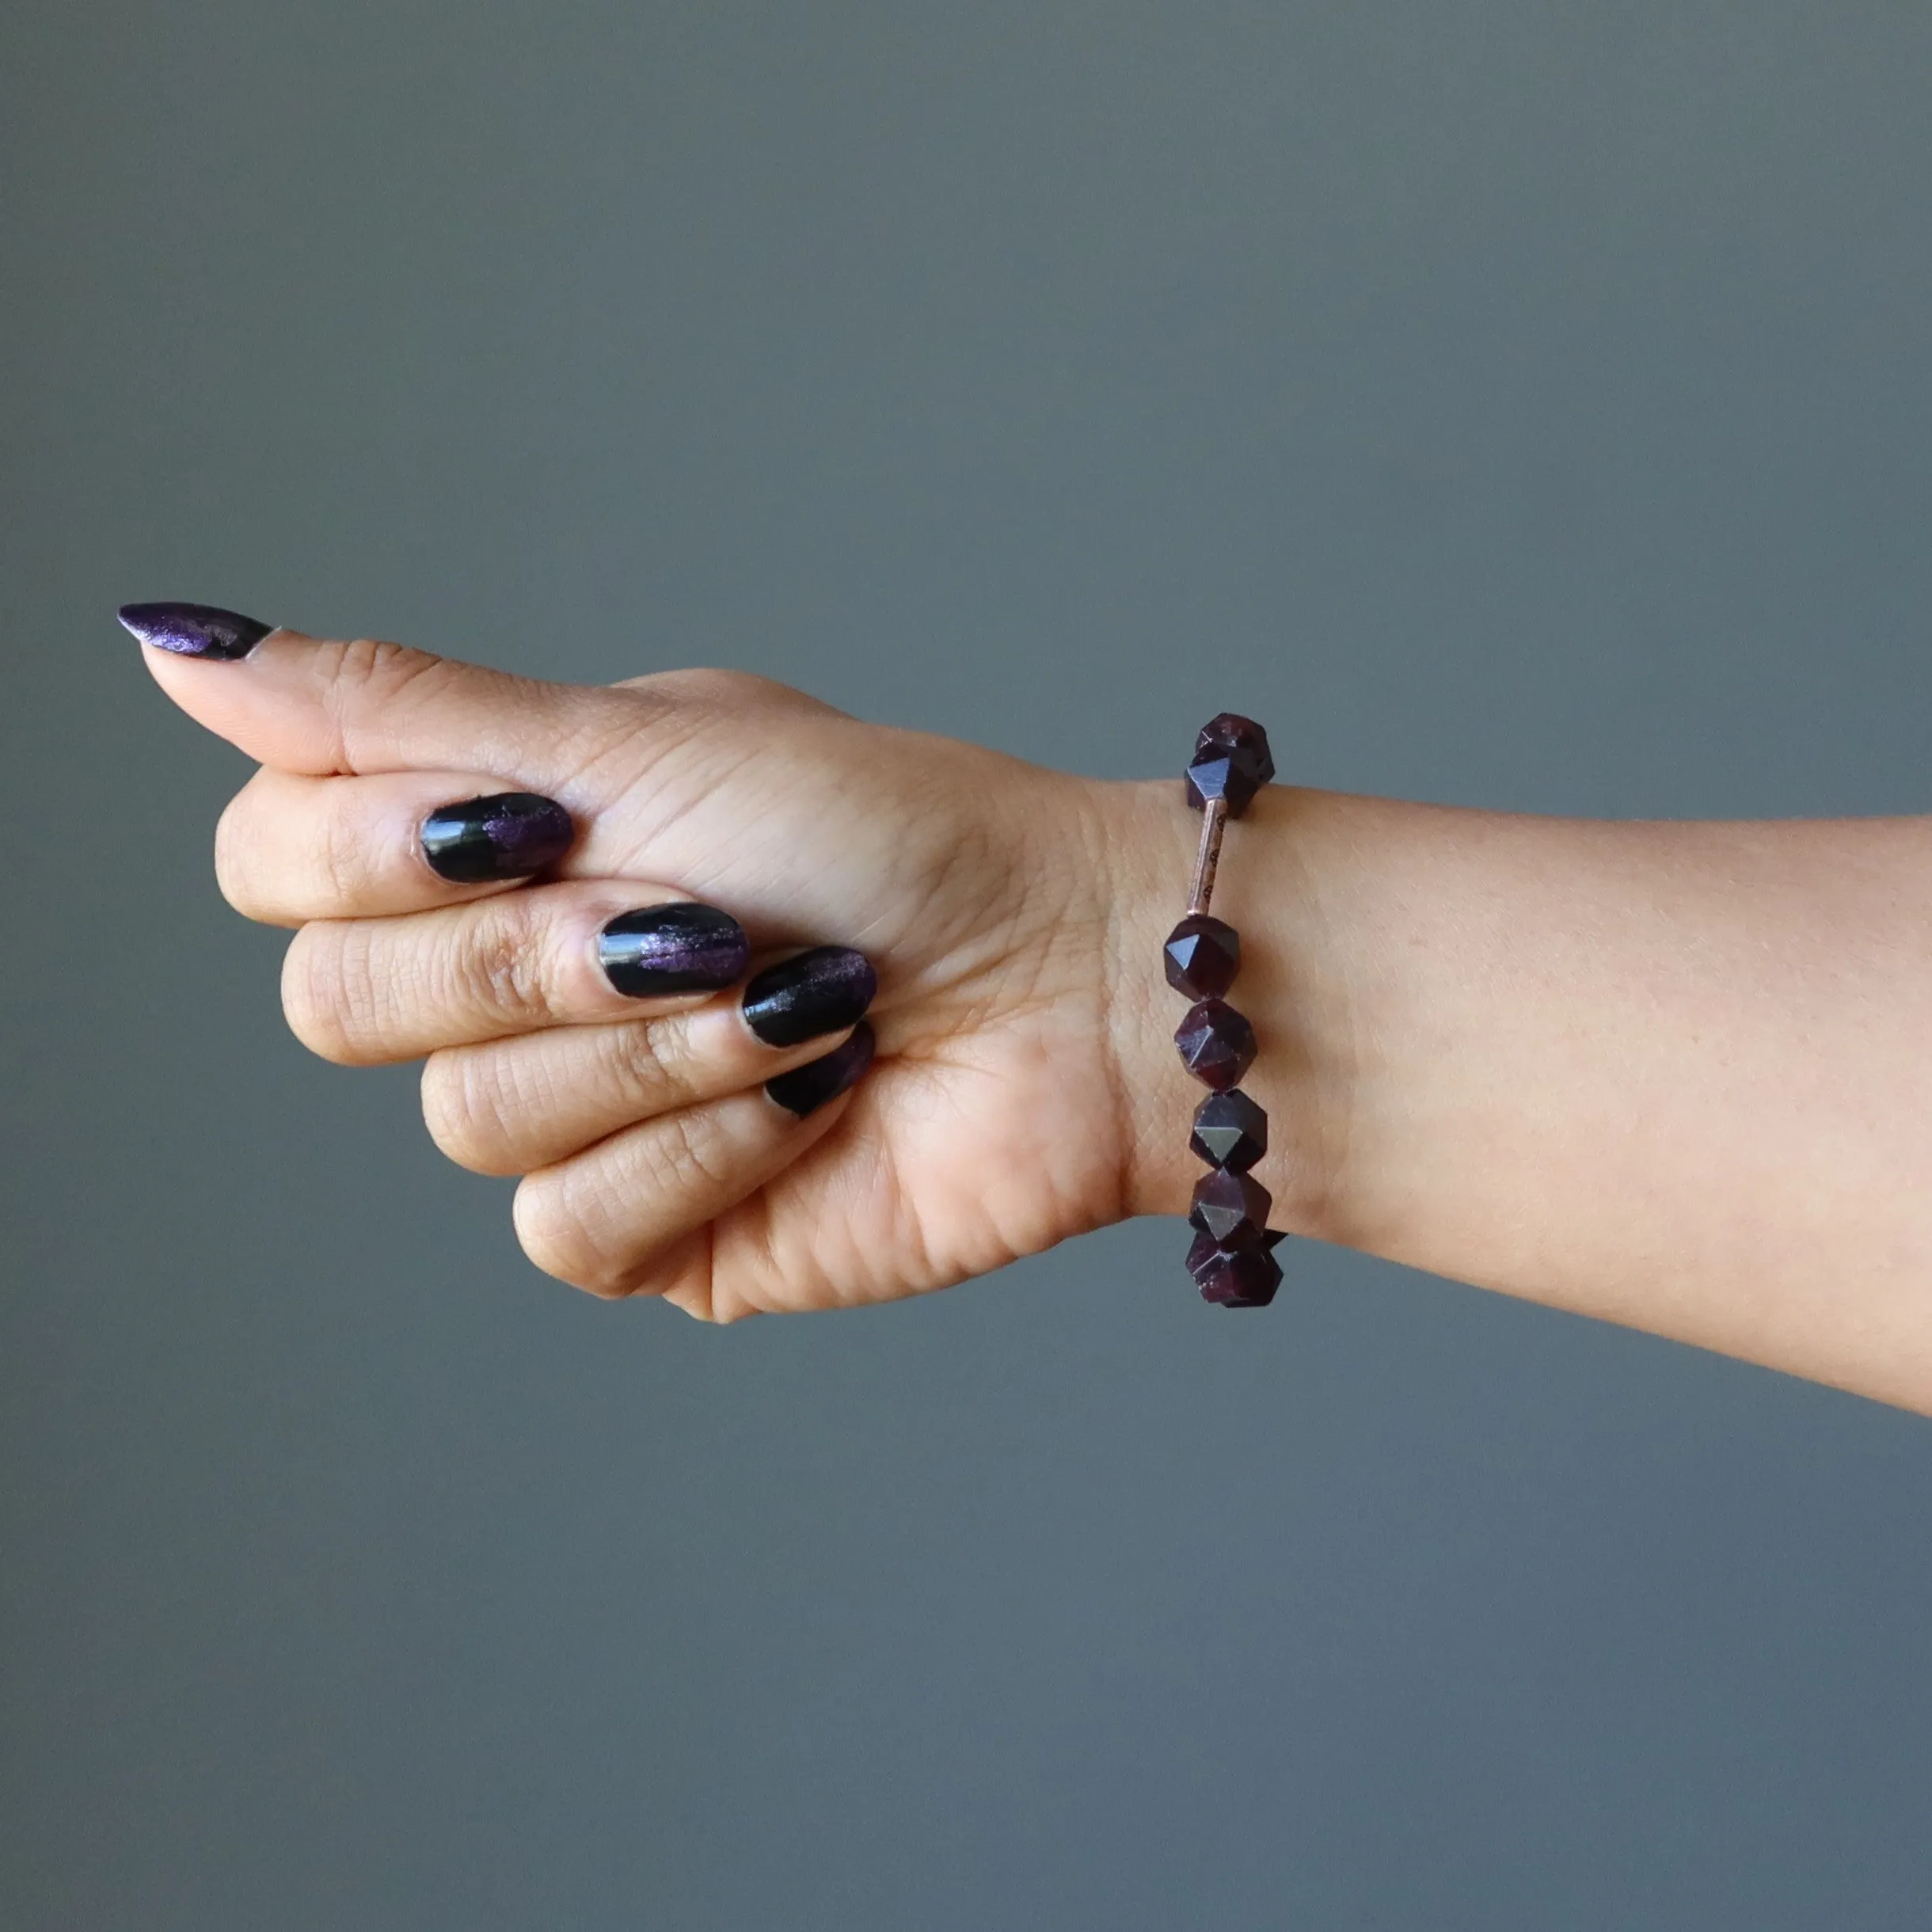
[987,1131]
[949,1164]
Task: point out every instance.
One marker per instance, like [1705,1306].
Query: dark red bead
[1201,1251]
[1239,1278]
[1203,955]
[1231,1208]
[1230,731]
[1216,1043]
[1232,761]
[1222,774]
[1229,1130]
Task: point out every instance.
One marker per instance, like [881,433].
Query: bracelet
[1231,1258]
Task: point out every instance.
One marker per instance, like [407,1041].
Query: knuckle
[332,996]
[470,1108]
[340,862]
[236,871]
[715,688]
[372,667]
[694,1162]
[704,685]
[645,1062]
[501,961]
[554,1223]
[369,678]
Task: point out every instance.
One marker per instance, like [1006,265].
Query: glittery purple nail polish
[810,994]
[506,835]
[806,1089]
[194,630]
[681,948]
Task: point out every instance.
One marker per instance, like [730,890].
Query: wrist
[1290,987]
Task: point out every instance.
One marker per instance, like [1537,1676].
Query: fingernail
[684,948]
[806,1089]
[194,630]
[508,836]
[810,994]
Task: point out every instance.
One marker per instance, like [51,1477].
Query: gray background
[1519,404]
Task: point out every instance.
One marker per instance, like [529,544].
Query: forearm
[1678,1076]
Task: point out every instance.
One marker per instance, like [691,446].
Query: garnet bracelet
[1232,1259]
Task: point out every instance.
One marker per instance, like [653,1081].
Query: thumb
[310,705]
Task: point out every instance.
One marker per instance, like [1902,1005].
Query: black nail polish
[508,836]
[806,1089]
[194,630]
[810,994]
[684,948]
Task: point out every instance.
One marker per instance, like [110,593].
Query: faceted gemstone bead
[1222,774]
[1232,731]
[1203,1250]
[1229,1130]
[1239,1278]
[1203,955]
[1242,1273]
[1231,761]
[1216,1043]
[1233,1208]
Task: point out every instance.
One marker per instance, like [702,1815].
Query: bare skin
[1670,1075]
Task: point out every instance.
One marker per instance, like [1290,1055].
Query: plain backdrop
[1519,404]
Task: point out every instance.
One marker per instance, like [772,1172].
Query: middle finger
[364,992]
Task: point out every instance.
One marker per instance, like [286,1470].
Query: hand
[997,901]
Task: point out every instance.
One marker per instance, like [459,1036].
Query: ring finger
[616,1219]
[512,1106]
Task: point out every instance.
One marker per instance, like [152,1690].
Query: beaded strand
[1231,1258]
